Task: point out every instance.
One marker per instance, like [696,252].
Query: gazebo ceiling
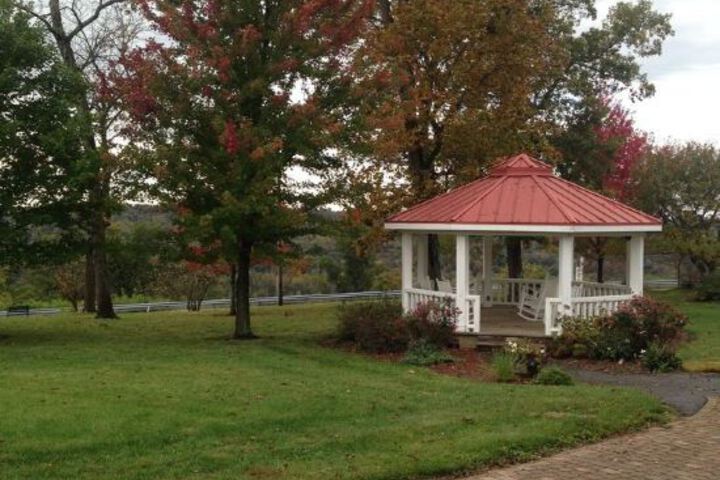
[522,195]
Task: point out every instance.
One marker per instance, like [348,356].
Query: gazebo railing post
[462,280]
[406,244]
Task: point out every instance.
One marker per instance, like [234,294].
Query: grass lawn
[167,395]
[702,352]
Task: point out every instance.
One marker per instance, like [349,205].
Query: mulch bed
[468,364]
[604,366]
[477,365]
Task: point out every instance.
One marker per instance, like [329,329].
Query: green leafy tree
[89,36]
[213,103]
[43,175]
[681,184]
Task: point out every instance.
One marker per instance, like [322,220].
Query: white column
[422,257]
[565,272]
[407,268]
[462,278]
[487,270]
[635,261]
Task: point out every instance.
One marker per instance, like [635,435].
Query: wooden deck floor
[504,321]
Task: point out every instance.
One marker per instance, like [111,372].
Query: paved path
[688,449]
[686,392]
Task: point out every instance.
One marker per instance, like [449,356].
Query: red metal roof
[524,191]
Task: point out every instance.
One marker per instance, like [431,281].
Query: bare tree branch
[95,15]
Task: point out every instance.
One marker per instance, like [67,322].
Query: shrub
[624,334]
[709,288]
[375,327]
[660,358]
[503,365]
[433,322]
[553,376]
[422,353]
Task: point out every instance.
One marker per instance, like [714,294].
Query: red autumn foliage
[619,128]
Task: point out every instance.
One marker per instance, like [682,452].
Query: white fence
[225,302]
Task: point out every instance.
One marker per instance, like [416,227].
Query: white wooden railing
[469,321]
[590,299]
[594,289]
[580,307]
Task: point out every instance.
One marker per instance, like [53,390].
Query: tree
[447,87]
[600,150]
[213,105]
[88,36]
[70,282]
[42,170]
[681,184]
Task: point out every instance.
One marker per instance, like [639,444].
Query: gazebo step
[490,342]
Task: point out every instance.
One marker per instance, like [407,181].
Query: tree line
[211,108]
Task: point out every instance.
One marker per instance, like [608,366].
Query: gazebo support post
[422,257]
[635,254]
[487,270]
[406,244]
[565,273]
[462,278]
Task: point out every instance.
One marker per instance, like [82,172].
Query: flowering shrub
[376,327]
[380,327]
[433,322]
[624,334]
[529,355]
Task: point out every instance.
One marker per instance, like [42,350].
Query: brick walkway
[688,449]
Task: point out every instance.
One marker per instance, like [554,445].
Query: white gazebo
[522,197]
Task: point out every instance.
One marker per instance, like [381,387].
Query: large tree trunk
[434,265]
[513,248]
[599,244]
[279,290]
[233,289]
[102,280]
[600,277]
[242,314]
[89,301]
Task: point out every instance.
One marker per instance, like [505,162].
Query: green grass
[168,396]
[702,352]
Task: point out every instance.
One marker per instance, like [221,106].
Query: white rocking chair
[532,299]
[444,286]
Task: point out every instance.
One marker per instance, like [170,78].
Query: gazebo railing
[595,289]
[506,291]
[580,307]
[468,323]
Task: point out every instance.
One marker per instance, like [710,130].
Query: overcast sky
[686,76]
